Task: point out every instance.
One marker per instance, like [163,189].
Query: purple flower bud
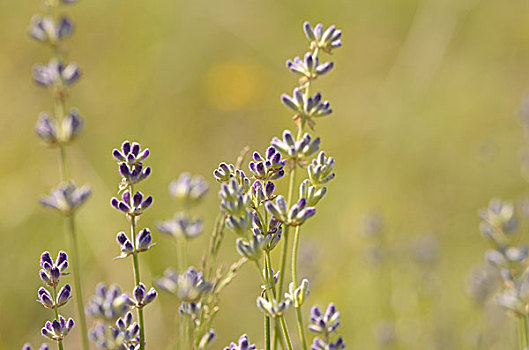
[139,293]
[45,298]
[45,277]
[64,295]
[146,203]
[150,296]
[124,170]
[136,199]
[125,146]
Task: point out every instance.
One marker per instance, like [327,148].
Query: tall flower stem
[136,265]
[74,247]
[295,247]
[74,241]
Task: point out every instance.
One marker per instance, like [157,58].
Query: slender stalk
[526,330]
[285,332]
[267,331]
[136,265]
[521,332]
[295,247]
[74,258]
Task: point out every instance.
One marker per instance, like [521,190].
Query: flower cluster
[325,325]
[133,204]
[130,158]
[58,129]
[116,328]
[257,214]
[189,191]
[51,273]
[188,286]
[66,198]
[499,227]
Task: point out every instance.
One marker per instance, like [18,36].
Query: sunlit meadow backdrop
[424,131]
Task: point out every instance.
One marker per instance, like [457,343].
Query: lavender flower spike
[52,271]
[309,67]
[326,40]
[55,73]
[45,29]
[57,329]
[306,109]
[188,286]
[66,198]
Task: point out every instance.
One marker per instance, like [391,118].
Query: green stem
[295,248]
[136,265]
[285,332]
[521,332]
[74,259]
[526,330]
[267,332]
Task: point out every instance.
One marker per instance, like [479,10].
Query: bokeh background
[426,130]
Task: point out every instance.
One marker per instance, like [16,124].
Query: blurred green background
[425,96]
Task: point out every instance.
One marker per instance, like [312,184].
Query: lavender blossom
[295,216]
[309,67]
[129,329]
[56,73]
[242,344]
[45,29]
[109,304]
[51,272]
[326,40]
[272,234]
[306,109]
[274,308]
[253,248]
[188,286]
[142,297]
[324,324]
[66,198]
[188,189]
[319,344]
[143,243]
[298,295]
[311,193]
[296,151]
[321,169]
[261,193]
[206,340]
[498,222]
[181,227]
[130,153]
[57,329]
[269,168]
[112,338]
[46,299]
[134,206]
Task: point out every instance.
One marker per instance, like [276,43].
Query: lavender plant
[51,273]
[250,207]
[499,226]
[61,127]
[133,203]
[259,216]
